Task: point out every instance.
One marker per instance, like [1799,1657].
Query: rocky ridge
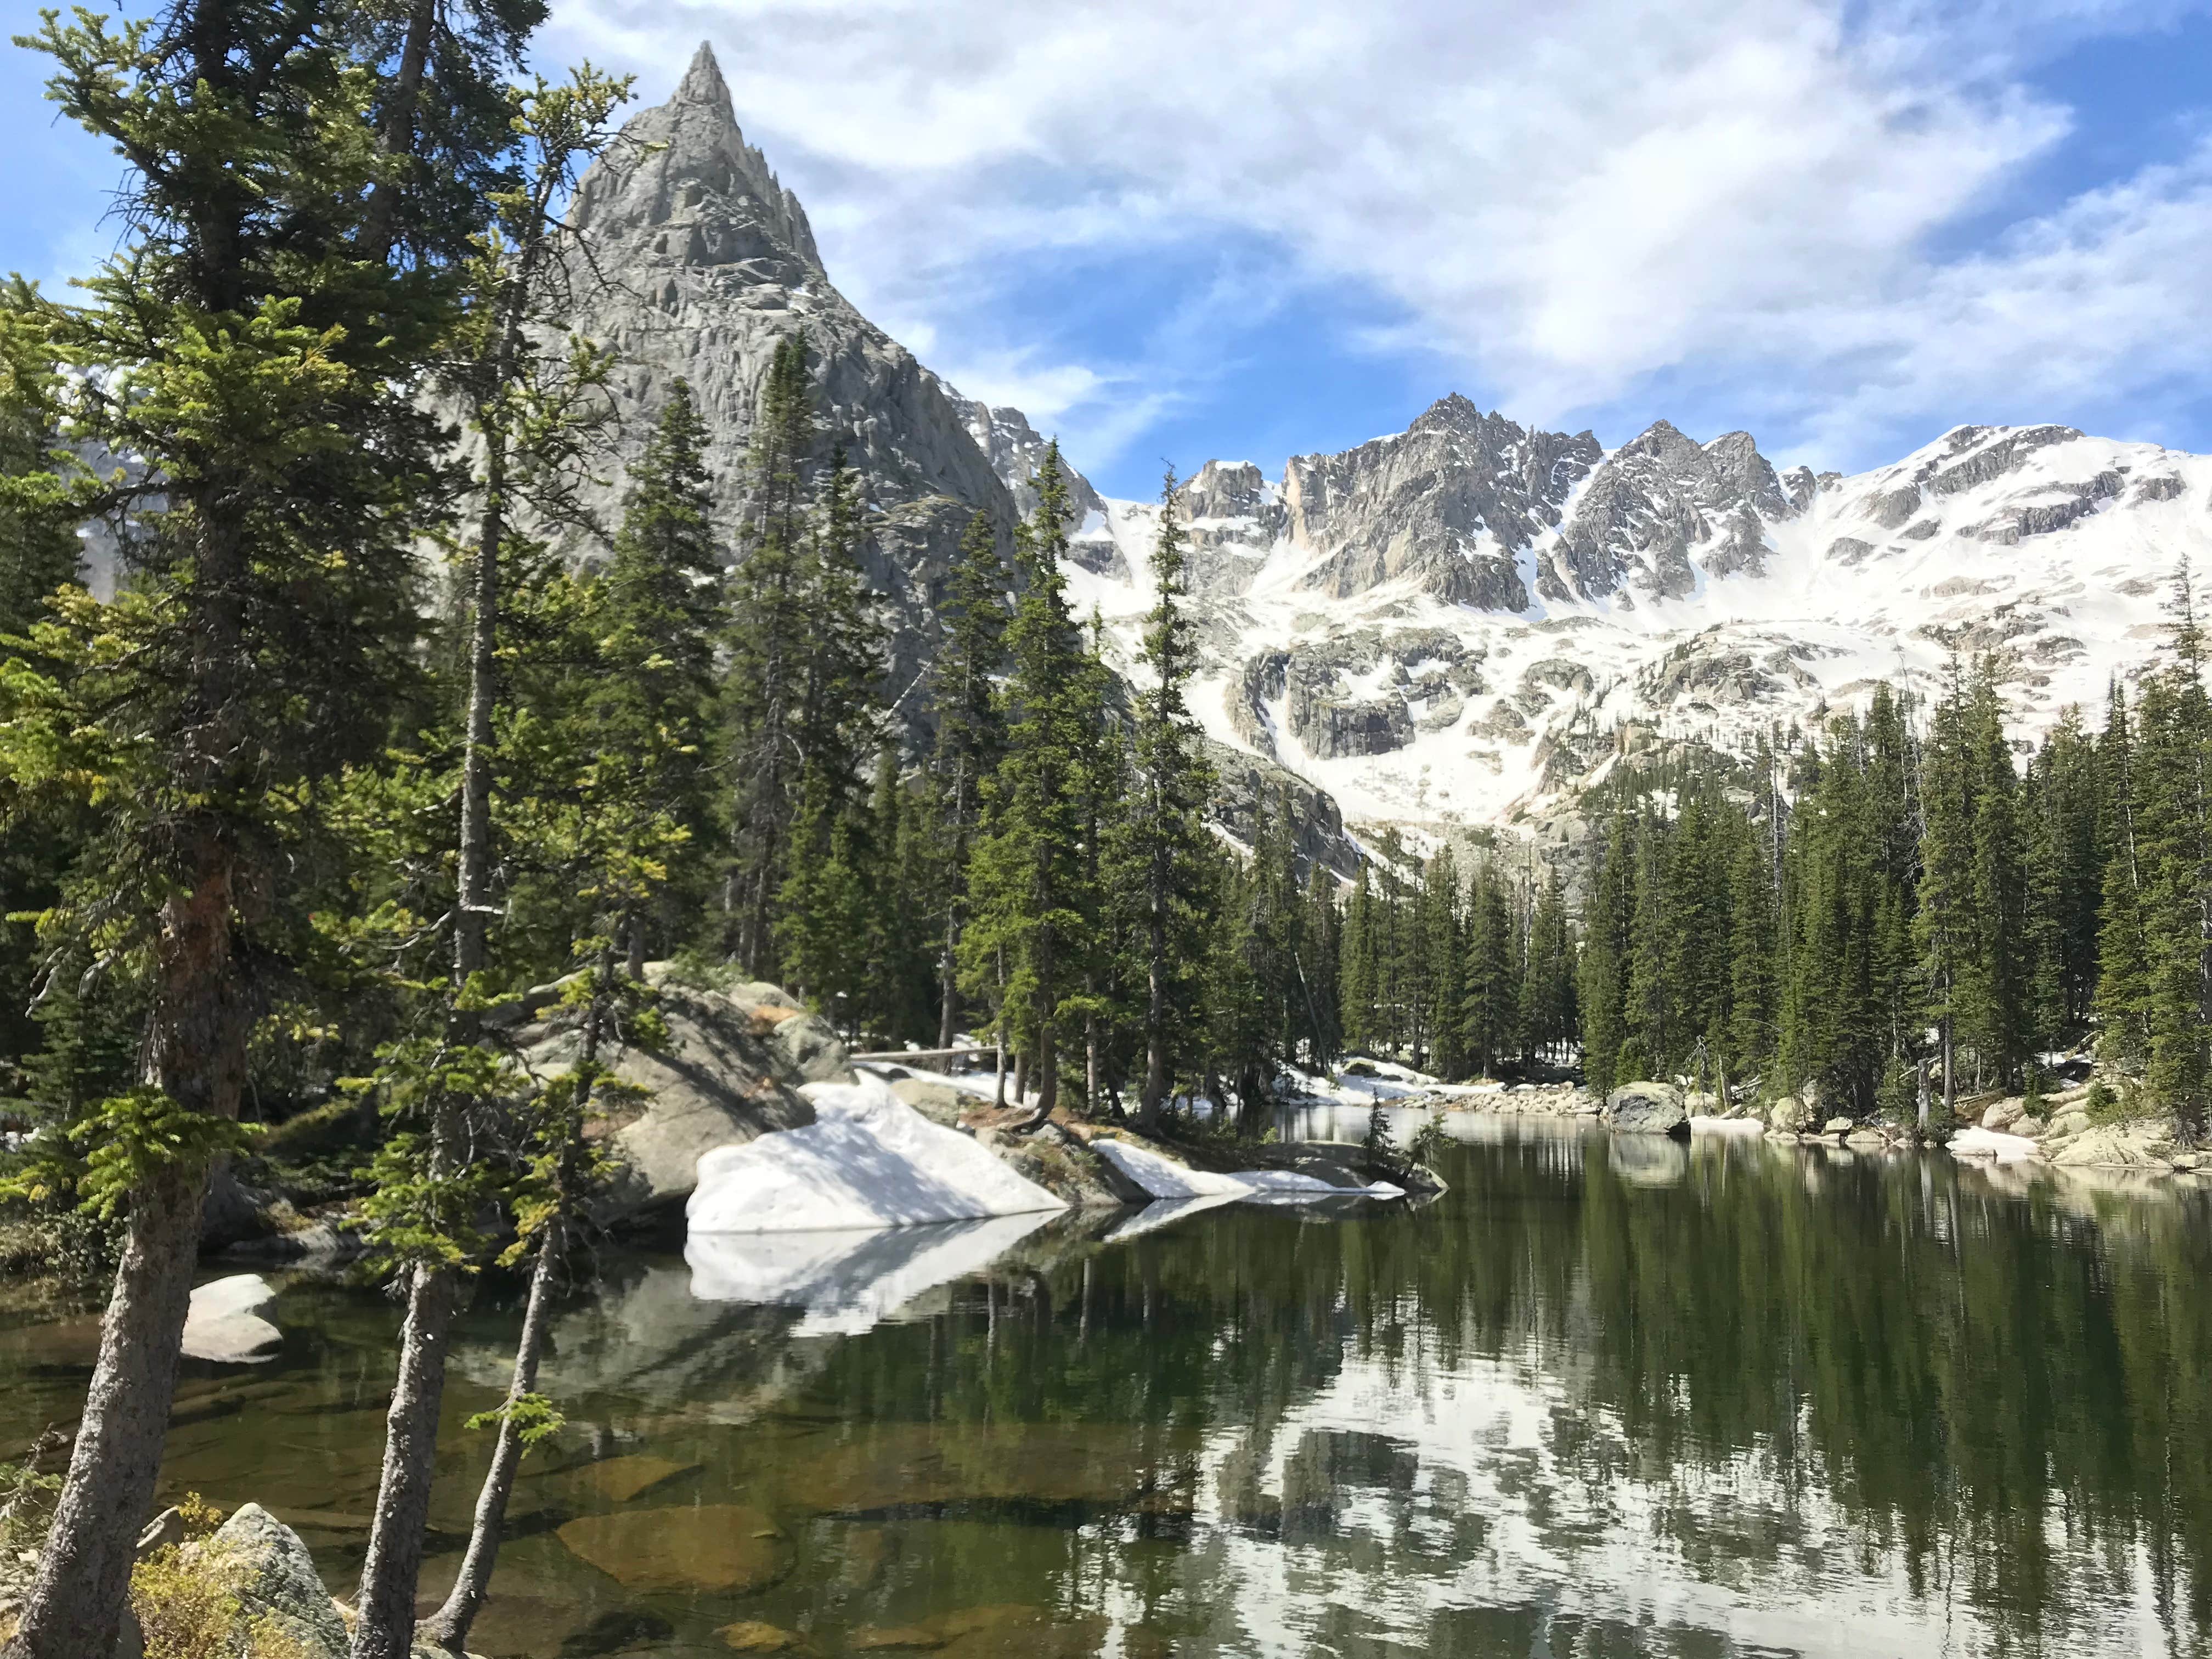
[1459,625]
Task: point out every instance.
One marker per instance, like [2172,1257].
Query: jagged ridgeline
[1465,623]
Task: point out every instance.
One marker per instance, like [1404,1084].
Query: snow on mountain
[1457,625]
[1465,624]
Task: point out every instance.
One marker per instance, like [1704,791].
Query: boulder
[720,1079]
[808,1045]
[2002,1115]
[2072,1121]
[2032,1127]
[1839,1126]
[223,1324]
[2148,1146]
[274,1579]
[1788,1116]
[1647,1108]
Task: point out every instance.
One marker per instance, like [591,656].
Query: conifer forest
[355,755]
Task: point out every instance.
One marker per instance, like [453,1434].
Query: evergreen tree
[1170,857]
[769,642]
[1358,978]
[663,603]
[1602,972]
[1026,876]
[1493,1000]
[970,736]
[264,375]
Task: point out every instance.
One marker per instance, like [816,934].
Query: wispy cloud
[1573,202]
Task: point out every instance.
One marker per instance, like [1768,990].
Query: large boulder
[223,1322]
[1647,1108]
[2144,1145]
[1789,1115]
[723,1076]
[2002,1115]
[269,1572]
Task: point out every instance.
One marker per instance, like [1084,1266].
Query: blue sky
[1179,230]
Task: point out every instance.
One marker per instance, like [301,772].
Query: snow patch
[869,1160]
[1164,1177]
[1977,1142]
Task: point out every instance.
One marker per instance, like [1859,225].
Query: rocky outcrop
[1449,503]
[1662,507]
[697,261]
[268,1569]
[729,1072]
[1234,517]
[1247,786]
[1653,1108]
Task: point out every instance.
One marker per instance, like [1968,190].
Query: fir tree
[769,642]
[1026,875]
[970,736]
[1169,856]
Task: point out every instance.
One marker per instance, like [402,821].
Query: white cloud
[1568,200]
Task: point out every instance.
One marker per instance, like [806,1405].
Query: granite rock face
[702,261]
[1657,502]
[1450,502]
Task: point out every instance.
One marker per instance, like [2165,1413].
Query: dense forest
[360,750]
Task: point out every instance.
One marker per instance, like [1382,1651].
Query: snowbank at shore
[868,1160]
[1162,1177]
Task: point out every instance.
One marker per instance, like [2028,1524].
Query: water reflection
[1606,1396]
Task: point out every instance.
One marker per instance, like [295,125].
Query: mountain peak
[702,82]
[684,165]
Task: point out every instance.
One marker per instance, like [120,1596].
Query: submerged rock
[710,1547]
[1647,1108]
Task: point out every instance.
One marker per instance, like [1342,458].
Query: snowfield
[868,1160]
[2054,548]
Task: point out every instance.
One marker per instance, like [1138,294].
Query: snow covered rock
[224,1322]
[867,1160]
[1654,1109]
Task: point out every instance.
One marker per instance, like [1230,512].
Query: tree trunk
[388,1575]
[449,1626]
[197,1042]
[83,1582]
[398,137]
[1950,1077]
[1021,1076]
[948,983]
[394,1561]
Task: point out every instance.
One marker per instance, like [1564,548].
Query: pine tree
[1169,856]
[769,642]
[1358,975]
[1602,972]
[970,736]
[1444,949]
[665,607]
[1493,1000]
[819,923]
[532,410]
[270,375]
[2124,972]
[1026,875]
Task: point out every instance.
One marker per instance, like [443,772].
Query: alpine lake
[1608,1395]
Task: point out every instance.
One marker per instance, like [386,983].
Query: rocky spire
[681,177]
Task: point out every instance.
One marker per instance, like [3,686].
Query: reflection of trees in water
[2002,1392]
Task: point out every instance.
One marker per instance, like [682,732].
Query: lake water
[1605,1397]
